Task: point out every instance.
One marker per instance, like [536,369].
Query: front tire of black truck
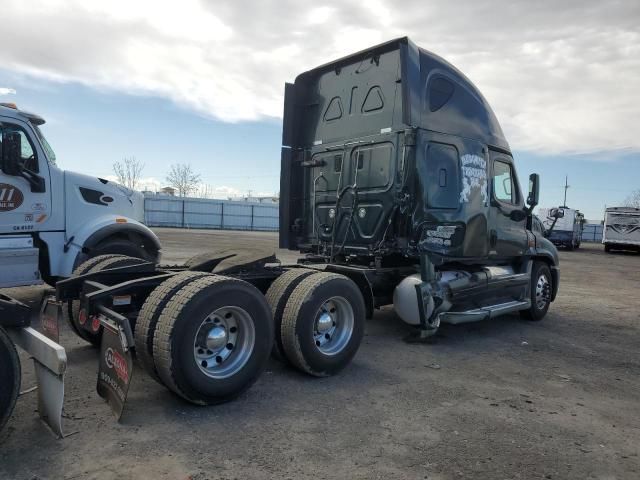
[213,339]
[541,288]
[9,377]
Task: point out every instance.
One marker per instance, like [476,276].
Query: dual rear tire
[319,319]
[205,337]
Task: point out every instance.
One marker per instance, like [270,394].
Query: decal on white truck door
[10,197]
[474,175]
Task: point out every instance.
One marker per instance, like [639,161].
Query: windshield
[47,148]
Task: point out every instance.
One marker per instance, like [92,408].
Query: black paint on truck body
[392,152]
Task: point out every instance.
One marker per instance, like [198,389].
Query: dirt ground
[503,399]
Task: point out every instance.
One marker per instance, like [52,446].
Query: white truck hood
[89,197]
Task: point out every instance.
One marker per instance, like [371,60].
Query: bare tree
[183,179]
[633,200]
[128,172]
[206,191]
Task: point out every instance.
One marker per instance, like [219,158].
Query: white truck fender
[96,230]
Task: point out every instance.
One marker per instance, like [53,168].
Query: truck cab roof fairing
[435,96]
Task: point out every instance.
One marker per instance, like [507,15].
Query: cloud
[7,91]
[562,77]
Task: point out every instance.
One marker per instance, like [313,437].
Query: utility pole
[566,186]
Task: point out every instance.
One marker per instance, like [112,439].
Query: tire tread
[300,295]
[278,296]
[149,316]
[162,341]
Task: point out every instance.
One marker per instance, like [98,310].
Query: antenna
[566,186]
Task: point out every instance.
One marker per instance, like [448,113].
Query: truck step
[19,259]
[484,313]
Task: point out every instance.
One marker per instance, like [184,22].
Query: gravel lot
[502,399]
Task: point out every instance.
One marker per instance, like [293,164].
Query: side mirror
[10,154]
[556,213]
[534,190]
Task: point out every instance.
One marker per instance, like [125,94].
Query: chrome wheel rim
[543,292]
[224,342]
[333,325]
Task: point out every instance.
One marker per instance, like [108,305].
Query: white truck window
[27,152]
[45,145]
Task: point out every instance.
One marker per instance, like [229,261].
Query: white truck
[621,229]
[564,230]
[51,221]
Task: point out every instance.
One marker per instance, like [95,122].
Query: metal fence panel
[162,212]
[232,215]
[592,232]
[210,213]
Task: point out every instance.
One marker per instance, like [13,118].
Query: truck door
[21,209]
[508,235]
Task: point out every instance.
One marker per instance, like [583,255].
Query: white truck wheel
[72,309]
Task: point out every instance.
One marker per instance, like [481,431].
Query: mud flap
[50,316]
[116,366]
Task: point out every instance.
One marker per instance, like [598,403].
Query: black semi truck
[397,185]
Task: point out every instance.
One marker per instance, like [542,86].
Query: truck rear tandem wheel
[278,295]
[213,339]
[323,324]
[150,314]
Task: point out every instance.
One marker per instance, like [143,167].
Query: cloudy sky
[203,80]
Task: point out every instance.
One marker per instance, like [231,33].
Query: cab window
[27,151]
[503,183]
